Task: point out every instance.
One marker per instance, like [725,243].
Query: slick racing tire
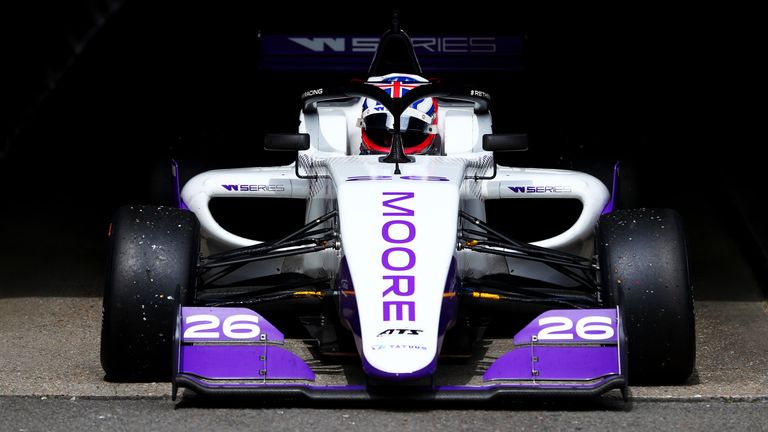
[644,270]
[153,253]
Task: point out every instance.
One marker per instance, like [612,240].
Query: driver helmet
[418,123]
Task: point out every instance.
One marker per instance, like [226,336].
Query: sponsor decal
[381,347]
[407,332]
[539,189]
[309,93]
[480,93]
[253,188]
[398,259]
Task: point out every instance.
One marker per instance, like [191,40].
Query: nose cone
[398,237]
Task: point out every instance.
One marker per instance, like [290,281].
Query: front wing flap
[567,352]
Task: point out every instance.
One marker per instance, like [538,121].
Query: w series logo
[429,44]
[253,188]
[539,189]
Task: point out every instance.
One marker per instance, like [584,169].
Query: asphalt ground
[52,414]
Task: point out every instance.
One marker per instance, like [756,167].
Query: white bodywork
[398,232]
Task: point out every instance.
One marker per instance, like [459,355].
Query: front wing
[235,351]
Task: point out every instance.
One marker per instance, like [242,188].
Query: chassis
[395,286]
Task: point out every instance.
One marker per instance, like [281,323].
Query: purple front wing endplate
[235,350]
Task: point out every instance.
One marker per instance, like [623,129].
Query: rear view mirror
[505,142]
[286,142]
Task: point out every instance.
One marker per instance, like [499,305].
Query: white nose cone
[399,237]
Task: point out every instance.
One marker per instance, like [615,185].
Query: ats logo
[407,332]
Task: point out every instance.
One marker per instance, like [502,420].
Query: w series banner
[354,53]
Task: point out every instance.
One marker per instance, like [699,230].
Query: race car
[396,286]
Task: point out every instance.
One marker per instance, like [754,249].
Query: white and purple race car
[396,287]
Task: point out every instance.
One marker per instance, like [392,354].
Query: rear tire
[644,270]
[153,253]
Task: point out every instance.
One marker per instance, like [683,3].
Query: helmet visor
[379,129]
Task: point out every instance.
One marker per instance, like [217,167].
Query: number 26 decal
[589,328]
[234,327]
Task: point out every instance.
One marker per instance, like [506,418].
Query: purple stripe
[347,301]
[261,384]
[177,189]
[614,190]
[450,302]
[528,384]
[245,362]
[555,363]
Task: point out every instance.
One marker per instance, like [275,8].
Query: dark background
[97,94]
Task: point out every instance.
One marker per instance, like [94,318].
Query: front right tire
[151,270]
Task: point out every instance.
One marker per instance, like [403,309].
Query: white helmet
[418,123]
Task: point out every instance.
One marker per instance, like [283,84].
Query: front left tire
[644,271]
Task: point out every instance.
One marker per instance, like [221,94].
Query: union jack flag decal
[396,85]
[396,89]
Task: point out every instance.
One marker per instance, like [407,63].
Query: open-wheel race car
[396,286]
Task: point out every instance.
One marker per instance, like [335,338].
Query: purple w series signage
[355,53]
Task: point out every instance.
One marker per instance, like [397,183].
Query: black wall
[97,94]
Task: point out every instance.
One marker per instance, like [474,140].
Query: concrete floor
[51,348]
